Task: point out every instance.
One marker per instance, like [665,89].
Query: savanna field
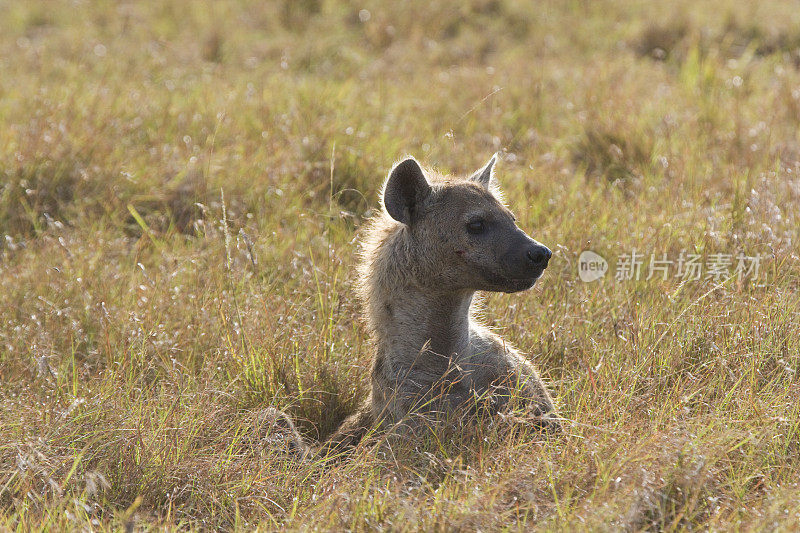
[181,190]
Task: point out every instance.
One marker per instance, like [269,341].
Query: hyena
[437,241]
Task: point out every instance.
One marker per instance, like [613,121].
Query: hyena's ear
[405,190]
[485,175]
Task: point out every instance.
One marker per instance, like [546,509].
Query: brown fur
[420,268]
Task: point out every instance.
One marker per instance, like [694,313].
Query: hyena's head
[460,236]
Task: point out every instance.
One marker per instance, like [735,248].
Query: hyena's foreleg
[349,433]
[522,387]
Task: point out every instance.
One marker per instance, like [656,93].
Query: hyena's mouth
[518,285]
[509,284]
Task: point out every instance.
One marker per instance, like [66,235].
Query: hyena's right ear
[406,188]
[485,176]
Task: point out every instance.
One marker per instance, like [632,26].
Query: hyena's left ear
[485,175]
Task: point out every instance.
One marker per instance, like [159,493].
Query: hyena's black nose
[539,255]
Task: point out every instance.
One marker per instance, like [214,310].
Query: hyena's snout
[538,255]
[524,262]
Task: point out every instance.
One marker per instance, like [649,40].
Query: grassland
[181,187]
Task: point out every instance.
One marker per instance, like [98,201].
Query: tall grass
[181,189]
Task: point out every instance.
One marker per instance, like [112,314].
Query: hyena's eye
[476,226]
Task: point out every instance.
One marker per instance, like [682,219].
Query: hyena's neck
[403,313]
[414,319]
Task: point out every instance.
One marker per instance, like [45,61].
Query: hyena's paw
[543,416]
[275,430]
[549,423]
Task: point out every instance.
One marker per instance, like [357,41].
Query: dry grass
[136,348]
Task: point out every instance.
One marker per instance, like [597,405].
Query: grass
[181,188]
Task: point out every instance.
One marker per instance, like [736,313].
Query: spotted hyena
[437,241]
